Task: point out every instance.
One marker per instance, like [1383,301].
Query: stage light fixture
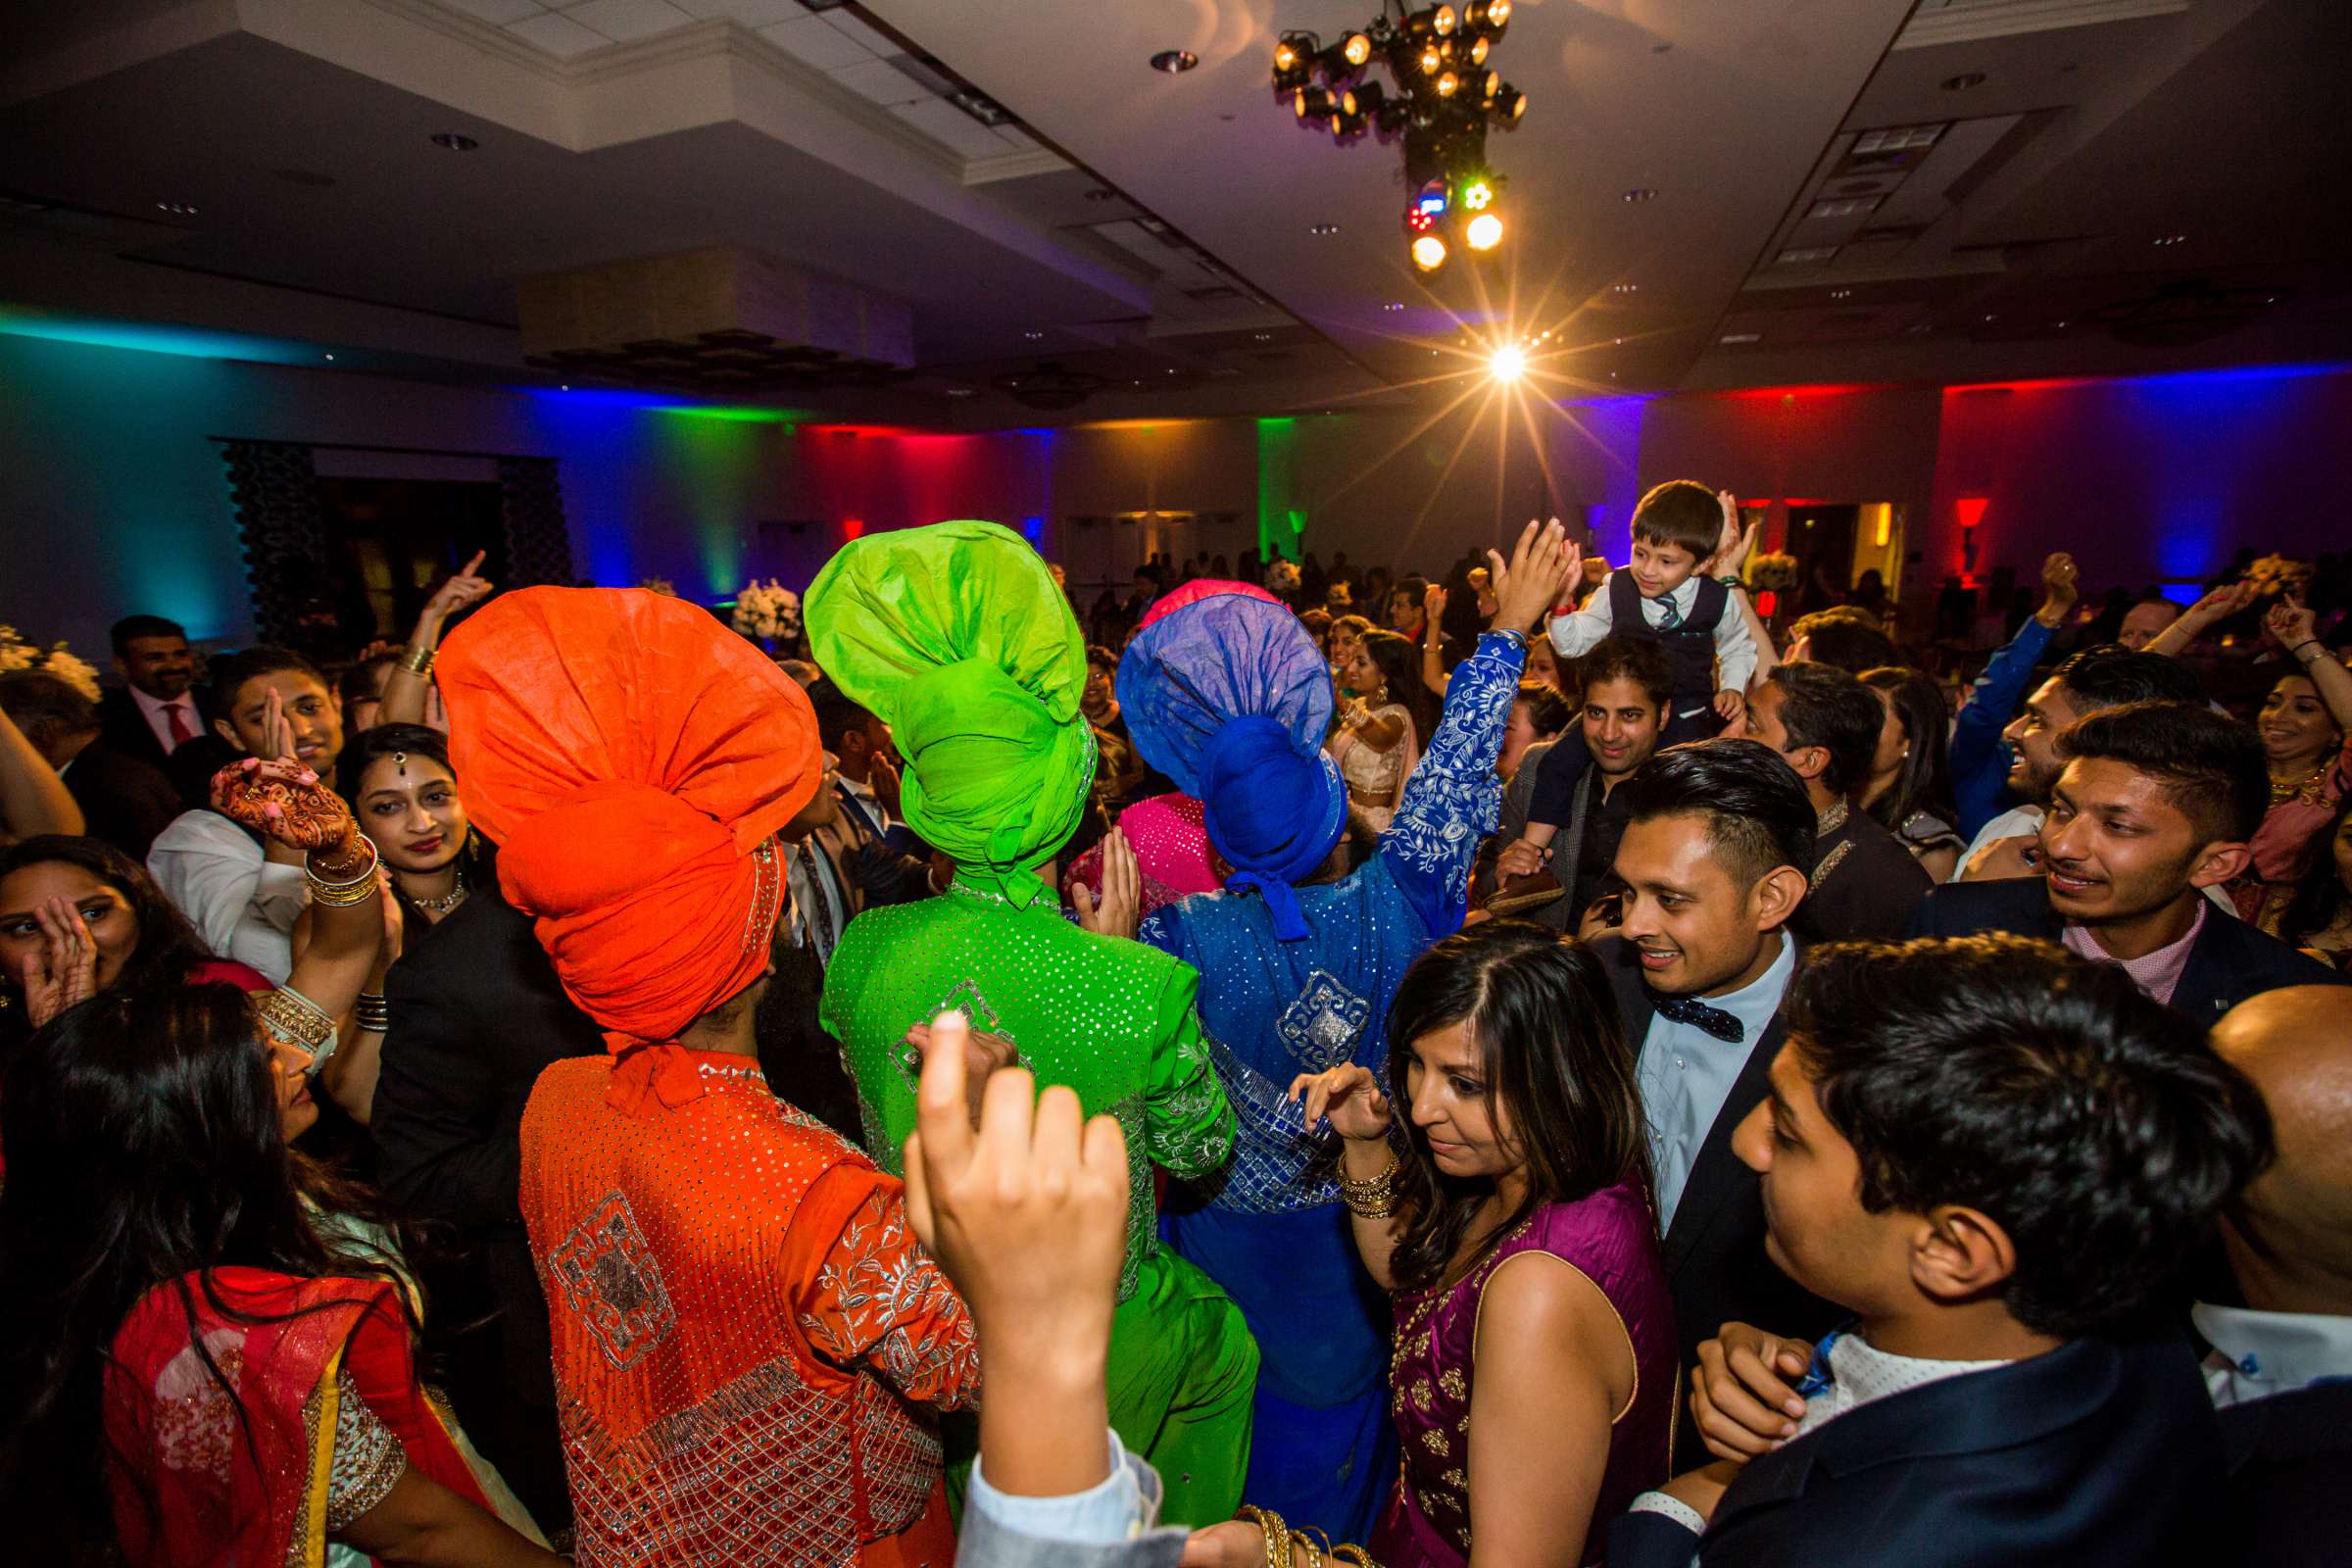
[1313,103]
[1490,88]
[1433,60]
[1447,84]
[1478,51]
[1355,49]
[1429,253]
[1509,104]
[1293,60]
[1488,17]
[1483,232]
[1418,221]
[1444,23]
[1508,362]
[1478,195]
[1433,198]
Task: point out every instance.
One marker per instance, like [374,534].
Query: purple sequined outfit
[1612,1239]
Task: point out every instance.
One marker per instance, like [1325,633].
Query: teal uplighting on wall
[1280,524]
[187,342]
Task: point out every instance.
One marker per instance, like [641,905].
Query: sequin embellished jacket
[748,1340]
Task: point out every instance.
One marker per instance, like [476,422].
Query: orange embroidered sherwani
[748,1341]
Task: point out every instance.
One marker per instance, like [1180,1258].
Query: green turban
[957,638]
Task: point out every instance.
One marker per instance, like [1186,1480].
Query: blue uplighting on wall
[147,337]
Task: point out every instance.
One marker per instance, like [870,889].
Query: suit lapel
[2202,993]
[1717,1172]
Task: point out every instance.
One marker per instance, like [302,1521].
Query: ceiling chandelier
[1443,98]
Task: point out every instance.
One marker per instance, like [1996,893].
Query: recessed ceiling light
[1624,288]
[1174,61]
[963,391]
[330,358]
[1842,293]
[1742,338]
[455,141]
[1394,305]
[1992,318]
[2063,325]
[176,208]
[1920,328]
[1642,193]
[1033,336]
[1323,228]
[1263,337]
[1963,81]
[1806,254]
[565,387]
[2170,240]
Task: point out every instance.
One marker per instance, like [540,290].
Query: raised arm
[1433,639]
[410,681]
[1453,799]
[33,800]
[2229,599]
[2292,627]
[1350,1097]
[1977,767]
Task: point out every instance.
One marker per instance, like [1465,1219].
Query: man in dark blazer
[1864,883]
[2155,803]
[1717,838]
[477,1013]
[2279,1363]
[161,709]
[122,799]
[2012,1388]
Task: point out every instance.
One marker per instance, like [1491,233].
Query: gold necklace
[448,900]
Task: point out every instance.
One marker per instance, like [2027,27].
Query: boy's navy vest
[1691,644]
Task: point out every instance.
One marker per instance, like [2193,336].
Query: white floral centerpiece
[768,610]
[18,654]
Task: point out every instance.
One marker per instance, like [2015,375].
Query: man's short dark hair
[2047,1091]
[1643,661]
[231,672]
[42,704]
[131,627]
[1824,706]
[2109,675]
[1681,512]
[836,714]
[2211,766]
[1547,709]
[1845,638]
[1758,816]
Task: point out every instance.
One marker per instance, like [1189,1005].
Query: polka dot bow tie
[1698,1015]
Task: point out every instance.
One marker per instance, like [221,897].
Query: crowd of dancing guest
[1540,1064]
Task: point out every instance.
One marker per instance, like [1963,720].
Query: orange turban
[633,758]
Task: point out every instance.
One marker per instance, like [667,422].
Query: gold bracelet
[1277,1533]
[1372,1188]
[418,661]
[357,890]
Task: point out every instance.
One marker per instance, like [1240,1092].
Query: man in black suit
[1717,840]
[2155,802]
[123,801]
[161,709]
[477,1013]
[1826,722]
[2000,1156]
[2280,1365]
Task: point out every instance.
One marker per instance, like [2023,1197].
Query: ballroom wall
[113,498]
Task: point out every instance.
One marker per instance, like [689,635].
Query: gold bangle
[418,661]
[1372,1187]
[1275,1532]
[357,890]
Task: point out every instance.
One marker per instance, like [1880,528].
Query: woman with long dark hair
[192,1371]
[1534,1398]
[2319,917]
[403,792]
[1910,787]
[1380,733]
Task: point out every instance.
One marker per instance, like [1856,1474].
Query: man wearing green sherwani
[956,637]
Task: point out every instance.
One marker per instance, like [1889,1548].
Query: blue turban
[1229,696]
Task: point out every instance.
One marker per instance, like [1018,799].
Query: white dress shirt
[158,715]
[242,904]
[1575,633]
[1116,1509]
[2256,1355]
[1687,1074]
[825,893]
[866,800]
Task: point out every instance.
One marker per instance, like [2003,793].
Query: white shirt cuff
[1674,1508]
[1108,1514]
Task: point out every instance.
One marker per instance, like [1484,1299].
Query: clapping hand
[1118,911]
[64,972]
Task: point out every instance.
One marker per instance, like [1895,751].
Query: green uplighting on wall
[1280,524]
[735,413]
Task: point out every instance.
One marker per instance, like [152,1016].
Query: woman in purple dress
[1533,1380]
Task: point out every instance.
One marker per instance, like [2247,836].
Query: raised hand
[64,972]
[1433,605]
[1119,910]
[1349,1096]
[1529,583]
[2291,624]
[1736,543]
[464,589]
[2060,579]
[2229,599]
[286,802]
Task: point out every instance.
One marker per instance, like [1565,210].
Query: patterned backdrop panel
[274,489]
[538,545]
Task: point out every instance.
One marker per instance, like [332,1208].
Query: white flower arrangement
[18,654]
[1772,569]
[658,585]
[1281,576]
[768,610]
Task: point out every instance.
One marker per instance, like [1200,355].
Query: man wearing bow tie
[1717,846]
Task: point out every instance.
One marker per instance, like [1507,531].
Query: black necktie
[820,914]
[1698,1015]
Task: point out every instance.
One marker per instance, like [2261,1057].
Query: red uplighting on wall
[1767,602]
[1970,509]
[852,528]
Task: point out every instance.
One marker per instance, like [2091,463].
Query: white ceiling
[1156,230]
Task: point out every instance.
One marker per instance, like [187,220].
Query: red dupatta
[194,1483]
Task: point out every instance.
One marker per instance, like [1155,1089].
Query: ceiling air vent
[1939,22]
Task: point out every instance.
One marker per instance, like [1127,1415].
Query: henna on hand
[286,802]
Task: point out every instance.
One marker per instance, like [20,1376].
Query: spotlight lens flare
[1509,363]
[1429,253]
[1484,232]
